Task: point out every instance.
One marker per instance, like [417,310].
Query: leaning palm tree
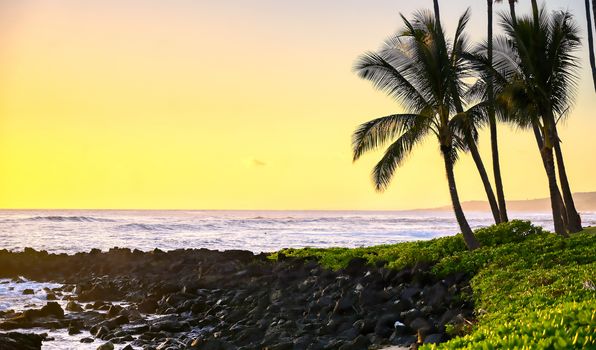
[572,217]
[467,137]
[591,40]
[511,8]
[537,60]
[594,13]
[535,124]
[491,115]
[417,68]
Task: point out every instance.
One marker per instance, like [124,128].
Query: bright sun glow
[222,105]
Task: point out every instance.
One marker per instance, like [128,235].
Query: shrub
[532,289]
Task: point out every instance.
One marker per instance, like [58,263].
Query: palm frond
[375,133]
[395,155]
[385,77]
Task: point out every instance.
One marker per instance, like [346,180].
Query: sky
[229,104]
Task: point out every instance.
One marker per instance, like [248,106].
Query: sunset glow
[227,105]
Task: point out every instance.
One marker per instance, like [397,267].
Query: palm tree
[591,41]
[468,136]
[417,68]
[511,8]
[594,13]
[572,217]
[537,61]
[535,10]
[437,12]
[536,127]
[492,119]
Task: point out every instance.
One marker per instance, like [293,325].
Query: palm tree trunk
[574,220]
[474,151]
[594,13]
[549,139]
[437,12]
[591,41]
[559,198]
[469,238]
[492,201]
[497,171]
[535,11]
[502,206]
[512,12]
[549,165]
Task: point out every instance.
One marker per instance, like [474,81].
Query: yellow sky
[225,105]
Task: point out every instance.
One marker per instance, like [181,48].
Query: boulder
[410,293]
[114,310]
[434,338]
[385,325]
[420,324]
[344,305]
[148,306]
[435,295]
[73,306]
[106,346]
[51,309]
[356,266]
[403,340]
[410,315]
[360,342]
[20,341]
[365,326]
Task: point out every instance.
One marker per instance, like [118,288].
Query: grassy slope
[532,289]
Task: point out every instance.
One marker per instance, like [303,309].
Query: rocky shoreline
[208,299]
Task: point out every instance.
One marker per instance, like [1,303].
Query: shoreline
[234,299]
[407,294]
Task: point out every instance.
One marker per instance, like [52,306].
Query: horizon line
[444,207]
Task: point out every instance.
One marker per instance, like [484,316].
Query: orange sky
[226,105]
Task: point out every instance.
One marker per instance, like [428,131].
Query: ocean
[71,231]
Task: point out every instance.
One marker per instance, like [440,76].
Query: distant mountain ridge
[584,201]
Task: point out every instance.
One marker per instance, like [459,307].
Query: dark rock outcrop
[237,300]
[20,341]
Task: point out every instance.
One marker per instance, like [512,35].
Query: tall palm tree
[437,12]
[535,10]
[591,40]
[535,122]
[594,13]
[511,9]
[572,216]
[417,68]
[537,58]
[493,121]
[468,137]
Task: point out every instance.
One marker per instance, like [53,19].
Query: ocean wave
[156,227]
[57,218]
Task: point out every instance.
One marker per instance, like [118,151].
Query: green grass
[532,289]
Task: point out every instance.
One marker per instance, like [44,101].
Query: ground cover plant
[531,288]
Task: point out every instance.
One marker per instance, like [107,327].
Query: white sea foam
[258,231]
[12,298]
